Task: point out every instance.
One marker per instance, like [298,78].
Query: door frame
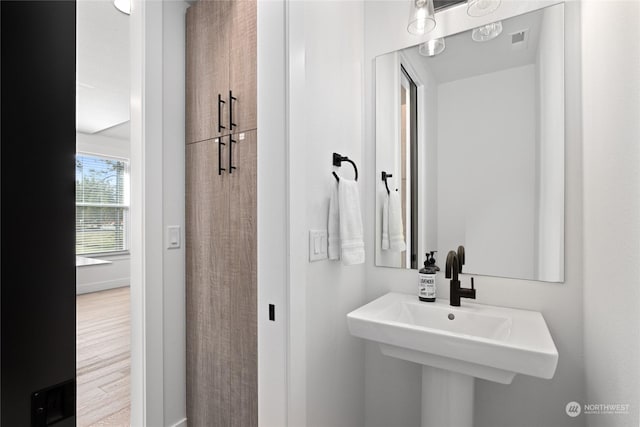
[147,391]
[274,337]
[157,378]
[158,348]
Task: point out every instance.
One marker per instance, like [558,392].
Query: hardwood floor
[103,358]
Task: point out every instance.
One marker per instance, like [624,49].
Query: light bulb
[421,17]
[123,6]
[432,47]
[487,32]
[477,8]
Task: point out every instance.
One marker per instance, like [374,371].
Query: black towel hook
[337,161]
[384,178]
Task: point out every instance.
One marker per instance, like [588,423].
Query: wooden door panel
[208,296]
[243,282]
[207,69]
[221,215]
[243,65]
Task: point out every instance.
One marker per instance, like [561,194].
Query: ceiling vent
[519,39]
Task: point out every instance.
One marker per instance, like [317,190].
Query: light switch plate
[173,237]
[318,245]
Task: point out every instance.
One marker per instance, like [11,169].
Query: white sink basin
[481,341]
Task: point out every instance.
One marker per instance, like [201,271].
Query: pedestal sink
[454,345]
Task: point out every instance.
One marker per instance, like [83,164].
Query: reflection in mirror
[474,140]
[408,150]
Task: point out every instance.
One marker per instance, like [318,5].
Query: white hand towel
[351,234]
[396,234]
[334,223]
[385,223]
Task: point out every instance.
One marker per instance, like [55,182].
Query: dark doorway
[37,276]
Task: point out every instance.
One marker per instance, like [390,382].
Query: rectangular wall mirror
[473,138]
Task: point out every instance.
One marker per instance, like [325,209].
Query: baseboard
[181,423]
[101,286]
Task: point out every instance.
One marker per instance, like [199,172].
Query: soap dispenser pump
[427,279]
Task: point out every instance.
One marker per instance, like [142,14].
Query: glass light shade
[477,8]
[123,6]
[422,17]
[487,32]
[432,47]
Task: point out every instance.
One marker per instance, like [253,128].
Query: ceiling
[121,131]
[102,100]
[463,57]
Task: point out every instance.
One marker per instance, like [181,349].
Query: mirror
[471,143]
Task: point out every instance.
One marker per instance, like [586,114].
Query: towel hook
[337,161]
[384,178]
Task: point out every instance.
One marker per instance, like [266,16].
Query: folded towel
[396,233]
[385,223]
[334,223]
[351,234]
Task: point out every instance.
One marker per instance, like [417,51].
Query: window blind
[102,204]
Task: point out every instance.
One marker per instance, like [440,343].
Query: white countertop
[84,261]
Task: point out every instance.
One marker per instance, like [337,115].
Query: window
[102,204]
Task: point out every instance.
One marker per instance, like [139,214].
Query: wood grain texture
[207,293]
[207,69]
[242,279]
[221,215]
[103,358]
[243,64]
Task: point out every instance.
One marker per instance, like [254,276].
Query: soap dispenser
[427,279]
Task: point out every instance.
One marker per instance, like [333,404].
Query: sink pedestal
[447,398]
[455,345]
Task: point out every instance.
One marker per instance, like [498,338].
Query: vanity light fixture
[477,8]
[123,6]
[487,32]
[432,47]
[422,17]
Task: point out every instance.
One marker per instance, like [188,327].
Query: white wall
[157,181]
[93,278]
[325,115]
[272,219]
[487,179]
[611,108]
[387,89]
[173,205]
[392,387]
[102,145]
[550,156]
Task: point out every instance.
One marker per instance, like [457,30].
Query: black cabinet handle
[231,142]
[220,101]
[220,168]
[231,99]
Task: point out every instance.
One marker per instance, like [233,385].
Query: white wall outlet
[173,237]
[318,245]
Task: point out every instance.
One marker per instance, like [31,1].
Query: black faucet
[460,257]
[454,266]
